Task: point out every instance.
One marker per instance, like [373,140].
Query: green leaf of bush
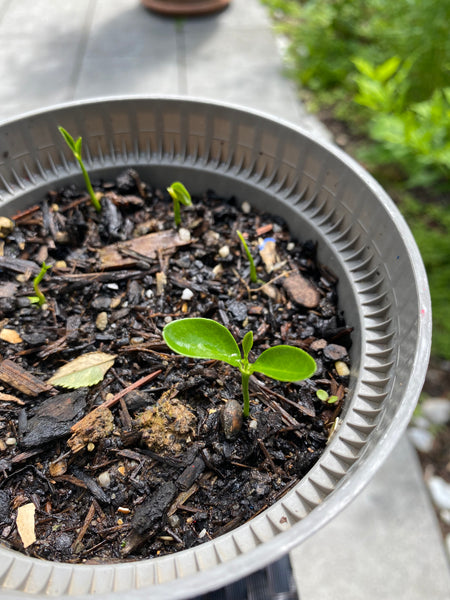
[285,363]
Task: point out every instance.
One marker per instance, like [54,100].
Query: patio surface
[386,545]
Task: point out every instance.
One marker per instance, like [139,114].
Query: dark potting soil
[145,462]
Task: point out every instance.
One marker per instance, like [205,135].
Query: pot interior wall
[324,196]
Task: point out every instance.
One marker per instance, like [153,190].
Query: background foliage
[382,68]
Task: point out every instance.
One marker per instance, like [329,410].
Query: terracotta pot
[185,7]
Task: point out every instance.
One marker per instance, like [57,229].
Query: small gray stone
[440,492]
[238,310]
[421,439]
[334,352]
[101,303]
[436,410]
[63,541]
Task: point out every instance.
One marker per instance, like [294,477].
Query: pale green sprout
[253,274]
[179,195]
[325,397]
[75,146]
[39,298]
[207,339]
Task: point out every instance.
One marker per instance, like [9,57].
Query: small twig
[137,384]
[267,455]
[300,407]
[84,528]
[174,535]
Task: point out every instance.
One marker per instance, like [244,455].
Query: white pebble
[436,410]
[112,286]
[290,246]
[421,439]
[184,234]
[341,368]
[440,492]
[104,479]
[217,270]
[420,422]
[187,294]
[149,293]
[246,208]
[224,252]
[174,520]
[101,322]
[11,441]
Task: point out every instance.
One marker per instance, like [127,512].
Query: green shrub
[383,68]
[414,135]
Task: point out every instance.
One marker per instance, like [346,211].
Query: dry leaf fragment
[11,336]
[86,370]
[25,524]
[145,245]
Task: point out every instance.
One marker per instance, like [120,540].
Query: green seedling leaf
[84,371]
[179,195]
[39,298]
[323,395]
[253,274]
[285,363]
[202,338]
[75,146]
[205,338]
[247,344]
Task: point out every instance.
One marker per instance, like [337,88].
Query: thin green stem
[37,280]
[253,274]
[94,199]
[245,394]
[176,213]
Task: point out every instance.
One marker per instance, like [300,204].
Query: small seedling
[205,338]
[75,146]
[323,395]
[253,275]
[179,195]
[39,298]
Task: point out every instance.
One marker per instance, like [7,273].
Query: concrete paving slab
[385,545]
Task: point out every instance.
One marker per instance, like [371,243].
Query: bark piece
[18,265]
[191,473]
[149,515]
[300,290]
[146,245]
[18,378]
[54,418]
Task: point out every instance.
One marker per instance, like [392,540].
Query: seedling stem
[39,298]
[75,146]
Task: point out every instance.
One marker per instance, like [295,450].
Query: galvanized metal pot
[324,196]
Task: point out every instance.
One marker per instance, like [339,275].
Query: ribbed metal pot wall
[324,196]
